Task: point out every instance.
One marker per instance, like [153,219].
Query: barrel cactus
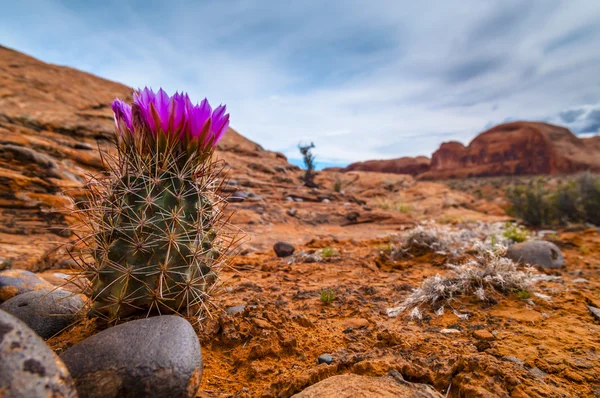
[156,232]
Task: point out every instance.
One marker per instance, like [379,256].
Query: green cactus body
[156,247]
[153,237]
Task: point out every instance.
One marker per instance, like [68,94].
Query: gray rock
[283,249]
[47,312]
[18,281]
[238,309]
[237,197]
[292,212]
[595,312]
[83,145]
[153,357]
[539,252]
[28,367]
[328,359]
[513,359]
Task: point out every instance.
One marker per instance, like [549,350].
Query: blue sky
[366,79]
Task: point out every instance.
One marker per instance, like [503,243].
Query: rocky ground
[280,325]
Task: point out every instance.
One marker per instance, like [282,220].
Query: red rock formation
[52,120]
[404,165]
[515,149]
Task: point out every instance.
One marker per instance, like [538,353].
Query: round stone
[47,312]
[28,367]
[537,252]
[153,357]
[18,281]
[283,249]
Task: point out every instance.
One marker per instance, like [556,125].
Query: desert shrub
[337,185]
[309,162]
[531,203]
[589,188]
[577,200]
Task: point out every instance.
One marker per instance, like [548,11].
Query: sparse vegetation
[309,162]
[327,296]
[328,252]
[523,294]
[539,203]
[337,185]
[487,274]
[515,233]
[390,204]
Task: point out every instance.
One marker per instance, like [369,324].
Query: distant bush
[389,204]
[574,201]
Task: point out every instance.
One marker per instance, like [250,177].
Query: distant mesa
[405,165]
[516,148]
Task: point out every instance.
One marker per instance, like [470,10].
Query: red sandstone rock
[516,148]
[404,165]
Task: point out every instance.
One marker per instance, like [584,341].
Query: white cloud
[390,79]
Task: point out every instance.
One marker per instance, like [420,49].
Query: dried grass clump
[487,273]
[432,239]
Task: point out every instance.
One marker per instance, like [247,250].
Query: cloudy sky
[363,79]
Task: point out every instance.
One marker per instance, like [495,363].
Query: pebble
[153,357]
[449,331]
[328,359]
[18,281]
[545,254]
[580,280]
[292,212]
[83,145]
[29,368]
[484,335]
[237,197]
[283,249]
[46,312]
[595,312]
[238,309]
[355,323]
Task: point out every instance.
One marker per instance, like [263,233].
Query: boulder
[153,357]
[28,367]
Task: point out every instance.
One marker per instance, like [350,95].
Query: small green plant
[494,241]
[337,185]
[328,252]
[515,233]
[327,296]
[389,204]
[583,249]
[523,294]
[386,248]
